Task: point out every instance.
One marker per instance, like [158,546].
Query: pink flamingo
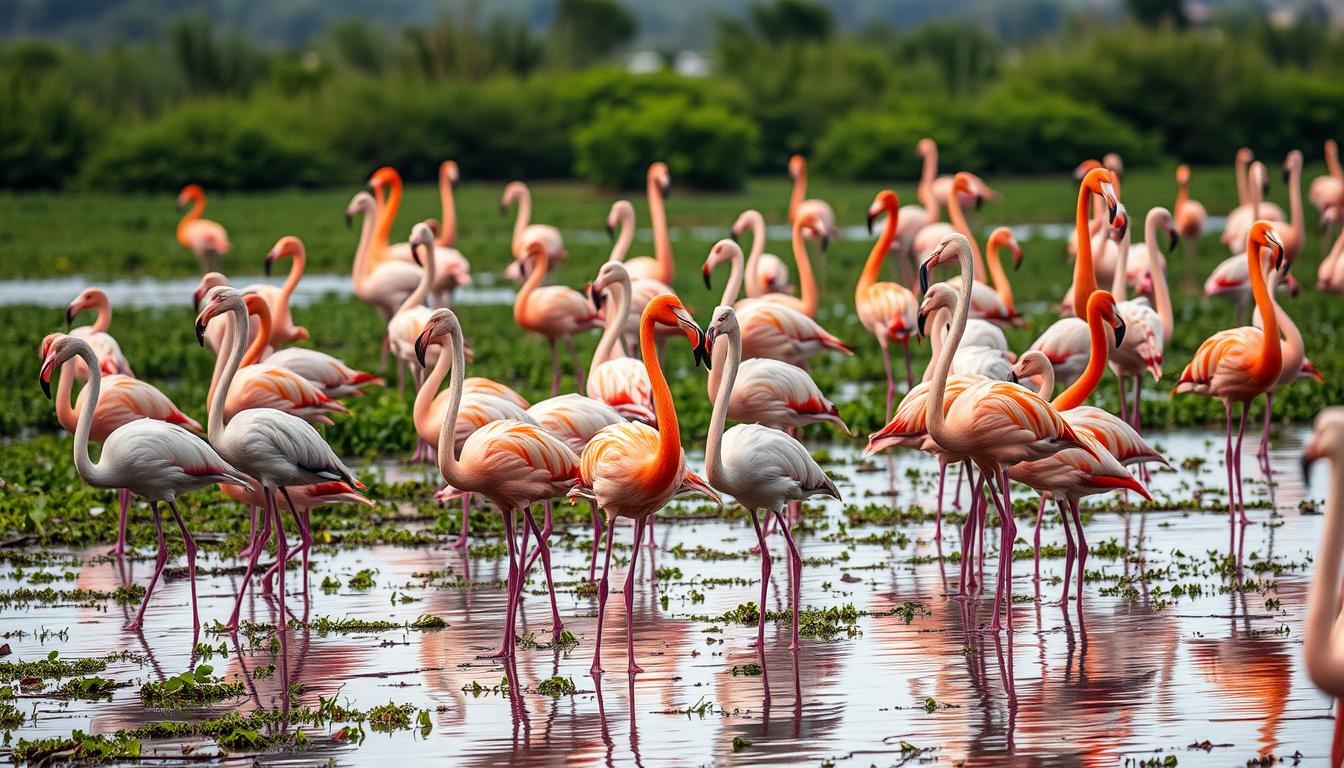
[1240,364]
[379,283]
[983,350]
[914,218]
[763,468]
[405,326]
[104,346]
[1330,273]
[886,309]
[447,237]
[971,193]
[621,221]
[1250,193]
[765,272]
[822,225]
[775,394]
[1141,351]
[1190,213]
[511,463]
[993,424]
[214,334]
[661,267]
[1321,646]
[1326,193]
[806,305]
[206,238]
[988,302]
[554,311]
[283,329]
[632,470]
[613,378]
[147,457]
[1230,278]
[124,399]
[525,233]
[276,449]
[450,268]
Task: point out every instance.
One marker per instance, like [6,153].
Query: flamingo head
[512,192]
[1082,168]
[1326,440]
[219,300]
[1293,162]
[611,273]
[668,310]
[723,322]
[661,178]
[189,194]
[1101,307]
[89,298]
[1121,223]
[724,250]
[797,166]
[1003,238]
[442,323]
[950,249]
[1033,362]
[1161,218]
[422,237]
[386,176]
[1245,155]
[938,296]
[1101,181]
[1112,162]
[1182,174]
[287,246]
[925,147]
[58,350]
[448,171]
[746,219]
[361,204]
[885,201]
[1263,236]
[208,281]
[622,211]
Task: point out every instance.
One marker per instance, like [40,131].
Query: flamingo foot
[634,669]
[596,670]
[132,625]
[460,543]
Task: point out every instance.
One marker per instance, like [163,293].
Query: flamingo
[775,394]
[276,449]
[283,330]
[621,222]
[806,305]
[381,284]
[105,347]
[1190,213]
[1326,193]
[1230,278]
[451,270]
[1330,273]
[886,309]
[972,192]
[658,185]
[330,374]
[914,218]
[147,457]
[124,399]
[632,470]
[983,350]
[944,190]
[1096,223]
[823,225]
[763,468]
[765,272]
[512,463]
[206,238]
[1295,363]
[447,237]
[214,334]
[1321,647]
[619,381]
[1142,350]
[554,311]
[1240,364]
[988,303]
[1250,193]
[993,424]
[405,326]
[1066,341]
[524,233]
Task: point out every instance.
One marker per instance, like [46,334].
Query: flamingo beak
[1175,240]
[1119,331]
[1308,458]
[710,334]
[705,272]
[924,279]
[702,349]
[666,189]
[270,259]
[420,346]
[825,242]
[923,317]
[871,217]
[979,201]
[733,234]
[70,313]
[1012,376]
[1286,175]
[1017,257]
[201,321]
[415,254]
[45,377]
[349,220]
[596,296]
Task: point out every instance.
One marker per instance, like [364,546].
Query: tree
[1155,13]
[589,30]
[792,20]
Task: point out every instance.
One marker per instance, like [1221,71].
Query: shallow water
[1121,677]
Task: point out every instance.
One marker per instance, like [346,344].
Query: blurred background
[143,95]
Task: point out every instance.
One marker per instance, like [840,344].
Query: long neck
[937,338]
[1182,195]
[934,415]
[421,291]
[386,216]
[1079,391]
[1293,349]
[753,277]
[806,280]
[1270,362]
[363,262]
[448,215]
[662,243]
[1332,159]
[263,337]
[1119,285]
[958,220]
[91,472]
[1295,208]
[719,418]
[606,346]
[925,190]
[448,466]
[1319,636]
[65,407]
[872,268]
[1243,184]
[238,327]
[734,284]
[997,276]
[225,343]
[429,389]
[104,319]
[521,220]
[668,458]
[520,304]
[799,192]
[192,214]
[621,248]
[1047,375]
[295,274]
[1161,295]
[1084,278]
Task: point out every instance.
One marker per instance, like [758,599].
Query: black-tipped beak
[1012,376]
[704,271]
[923,318]
[666,189]
[415,254]
[1114,208]
[269,261]
[923,281]
[1175,240]
[44,378]
[1286,176]
[979,202]
[710,334]
[200,331]
[871,217]
[1264,188]
[420,351]
[732,234]
[69,317]
[611,232]
[1017,259]
[1119,331]
[597,297]
[825,243]
[503,209]
[702,350]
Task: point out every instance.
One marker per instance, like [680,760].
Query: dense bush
[874,145]
[704,146]
[44,136]
[219,144]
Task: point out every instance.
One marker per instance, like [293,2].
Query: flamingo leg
[282,624]
[1236,463]
[543,548]
[251,531]
[602,587]
[1263,453]
[956,499]
[1082,547]
[886,366]
[1070,552]
[648,525]
[1227,461]
[257,548]
[159,560]
[1036,539]
[124,505]
[597,537]
[1138,421]
[190,544]
[1003,592]
[461,542]
[633,668]
[765,587]
[909,368]
[1124,402]
[506,647]
[301,519]
[938,514]
[796,566]
[967,550]
[578,369]
[266,580]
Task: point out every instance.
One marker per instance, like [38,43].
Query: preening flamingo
[451,270]
[632,470]
[1066,341]
[105,347]
[512,463]
[1190,213]
[206,238]
[1250,194]
[147,457]
[763,468]
[822,226]
[283,330]
[524,233]
[765,272]
[993,424]
[556,312]
[124,399]
[886,309]
[1295,363]
[274,448]
[1322,648]
[620,381]
[1142,349]
[1240,364]
[381,284]
[621,223]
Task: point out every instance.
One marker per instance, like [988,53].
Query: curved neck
[1161,295]
[363,263]
[448,466]
[103,307]
[997,276]
[91,472]
[1084,278]
[611,334]
[667,461]
[872,268]
[225,343]
[238,329]
[1078,392]
[937,338]
[925,190]
[719,418]
[1182,195]
[1318,631]
[958,220]
[621,248]
[1243,184]
[387,214]
[448,215]
[295,274]
[734,284]
[521,220]
[1047,388]
[1293,348]
[1119,284]
[934,413]
[520,304]
[1269,364]
[799,192]
[263,337]
[429,389]
[806,281]
[421,291]
[1297,222]
[65,404]
[662,243]
[1332,159]
[192,214]
[753,277]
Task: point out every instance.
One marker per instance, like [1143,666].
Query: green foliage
[193,687]
[873,145]
[587,30]
[706,146]
[45,135]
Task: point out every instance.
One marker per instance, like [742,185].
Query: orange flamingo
[512,463]
[283,330]
[105,347]
[823,226]
[451,270]
[988,303]
[554,311]
[1321,647]
[1190,213]
[765,272]
[206,238]
[381,284]
[1110,162]
[886,309]
[525,233]
[1240,364]
[1295,363]
[632,470]
[447,237]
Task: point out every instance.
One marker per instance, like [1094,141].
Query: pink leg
[305,536]
[251,565]
[938,515]
[648,531]
[765,587]
[461,542]
[796,564]
[633,668]
[282,625]
[578,369]
[1036,538]
[268,578]
[968,582]
[1236,463]
[602,588]
[956,500]
[1263,453]
[909,370]
[1124,407]
[124,504]
[1227,460]
[1082,547]
[1007,533]
[1070,552]
[251,531]
[159,562]
[506,648]
[190,544]
[891,380]
[597,536]
[543,548]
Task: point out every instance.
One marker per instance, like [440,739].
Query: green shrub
[705,146]
[44,136]
[219,144]
[877,146]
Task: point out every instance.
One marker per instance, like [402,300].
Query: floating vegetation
[191,688]
[51,667]
[79,747]
[750,670]
[123,595]
[557,686]
[88,688]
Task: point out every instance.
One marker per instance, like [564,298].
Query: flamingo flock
[614,439]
